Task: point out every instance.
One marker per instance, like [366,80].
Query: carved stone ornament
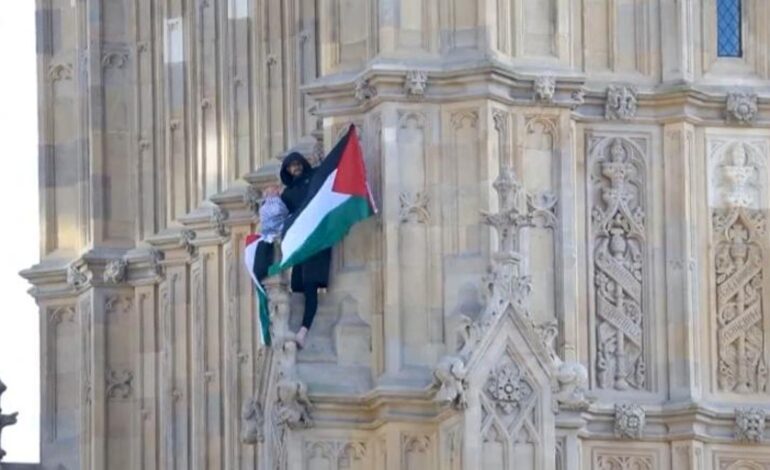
[450,378]
[509,389]
[75,277]
[621,103]
[252,198]
[218,218]
[750,424]
[742,107]
[5,420]
[414,208]
[186,238]
[115,271]
[571,392]
[252,422]
[629,421]
[57,72]
[618,226]
[119,384]
[364,91]
[545,87]
[416,82]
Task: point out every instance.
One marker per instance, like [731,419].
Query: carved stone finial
[450,379]
[115,271]
[76,278]
[252,422]
[629,421]
[749,424]
[364,90]
[5,420]
[416,82]
[741,107]
[621,103]
[545,87]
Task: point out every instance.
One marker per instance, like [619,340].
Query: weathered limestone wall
[616,311]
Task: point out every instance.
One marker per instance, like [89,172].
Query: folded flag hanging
[338,197]
[257,252]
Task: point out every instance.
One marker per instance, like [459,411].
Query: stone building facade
[567,271]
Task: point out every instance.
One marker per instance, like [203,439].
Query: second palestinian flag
[256,255]
[338,197]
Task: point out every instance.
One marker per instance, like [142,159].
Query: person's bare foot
[300,337]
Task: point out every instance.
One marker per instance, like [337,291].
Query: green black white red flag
[338,197]
[250,258]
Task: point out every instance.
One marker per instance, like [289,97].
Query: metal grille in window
[729,28]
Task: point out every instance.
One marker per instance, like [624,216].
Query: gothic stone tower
[567,272]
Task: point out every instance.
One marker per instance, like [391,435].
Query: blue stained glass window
[729,28]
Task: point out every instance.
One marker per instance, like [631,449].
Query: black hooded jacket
[314,271]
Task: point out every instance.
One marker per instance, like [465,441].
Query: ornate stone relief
[414,207]
[186,238]
[505,286]
[364,91]
[5,420]
[509,390]
[414,451]
[621,103]
[618,232]
[741,107]
[59,71]
[115,59]
[739,228]
[571,391]
[450,379]
[218,218]
[545,87]
[119,384]
[623,462]
[749,424]
[115,271]
[75,277]
[252,422]
[416,83]
[629,421]
[335,455]
[58,315]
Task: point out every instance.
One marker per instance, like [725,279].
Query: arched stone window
[729,40]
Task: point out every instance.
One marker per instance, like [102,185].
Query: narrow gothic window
[729,28]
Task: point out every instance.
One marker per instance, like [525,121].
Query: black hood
[286,178]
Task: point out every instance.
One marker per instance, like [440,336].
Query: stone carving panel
[416,452]
[510,427]
[617,179]
[620,462]
[621,103]
[336,455]
[739,256]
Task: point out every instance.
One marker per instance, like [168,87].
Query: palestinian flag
[252,256]
[338,197]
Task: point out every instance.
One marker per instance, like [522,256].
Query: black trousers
[262,261]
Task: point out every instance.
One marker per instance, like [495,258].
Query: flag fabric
[253,256]
[338,197]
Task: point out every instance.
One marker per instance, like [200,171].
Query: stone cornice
[703,103]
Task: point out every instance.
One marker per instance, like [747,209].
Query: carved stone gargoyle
[5,420]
